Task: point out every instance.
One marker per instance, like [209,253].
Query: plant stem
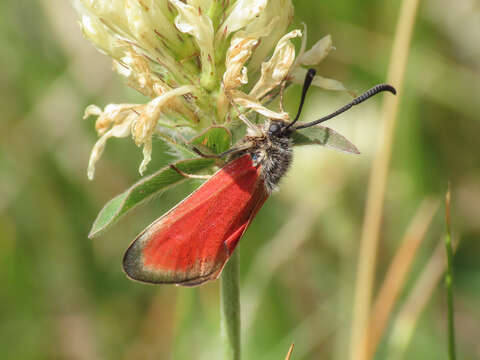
[449,278]
[230,307]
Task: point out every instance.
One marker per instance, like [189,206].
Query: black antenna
[366,95]
[306,84]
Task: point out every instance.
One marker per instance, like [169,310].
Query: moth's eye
[275,127]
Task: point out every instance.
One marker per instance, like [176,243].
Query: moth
[192,242]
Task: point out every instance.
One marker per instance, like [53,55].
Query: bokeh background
[63,296]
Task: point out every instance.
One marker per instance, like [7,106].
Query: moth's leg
[190,176]
[206,156]
[282,90]
[231,151]
[245,120]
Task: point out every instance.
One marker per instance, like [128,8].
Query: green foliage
[215,139]
[145,189]
[64,296]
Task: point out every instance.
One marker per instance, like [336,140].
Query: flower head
[197,61]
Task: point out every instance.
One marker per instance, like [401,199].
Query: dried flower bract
[197,62]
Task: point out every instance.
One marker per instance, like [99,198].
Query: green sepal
[214,140]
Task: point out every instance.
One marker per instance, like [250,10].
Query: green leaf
[144,189]
[215,139]
[322,135]
[175,142]
[180,151]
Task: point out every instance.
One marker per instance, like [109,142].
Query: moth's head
[275,128]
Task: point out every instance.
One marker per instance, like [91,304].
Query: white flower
[194,60]
[275,70]
[193,21]
[317,53]
[243,12]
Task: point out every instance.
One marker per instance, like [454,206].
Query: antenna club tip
[390,88]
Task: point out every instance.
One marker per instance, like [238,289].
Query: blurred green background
[63,296]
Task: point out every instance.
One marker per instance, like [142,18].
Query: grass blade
[449,278]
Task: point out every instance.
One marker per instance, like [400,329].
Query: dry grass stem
[75,339]
[397,274]
[148,341]
[290,351]
[408,315]
[378,178]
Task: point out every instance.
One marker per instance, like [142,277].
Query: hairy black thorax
[272,151]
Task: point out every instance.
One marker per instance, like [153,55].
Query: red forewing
[192,242]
